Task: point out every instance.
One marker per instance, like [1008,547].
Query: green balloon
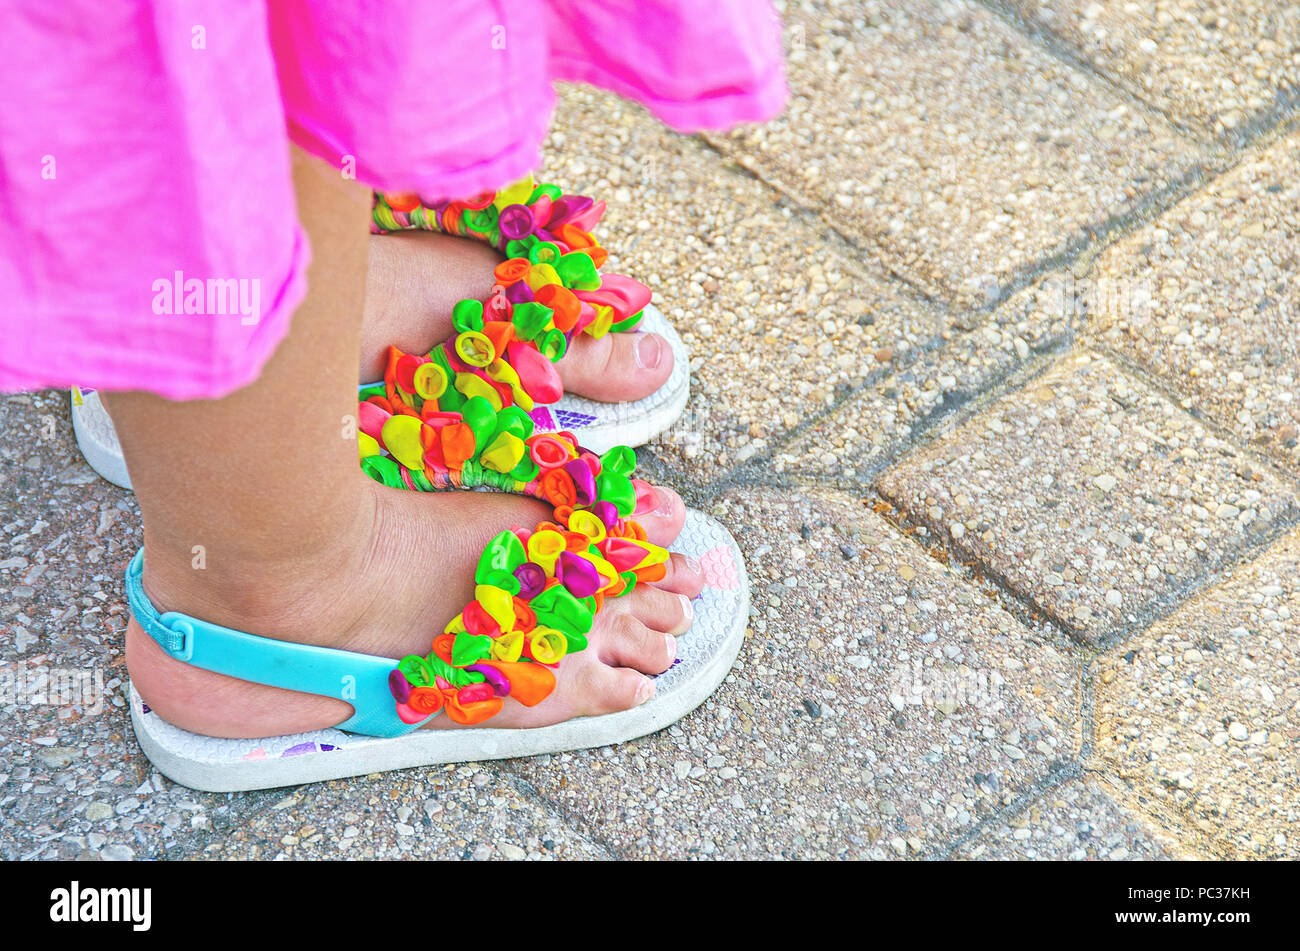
[502,555]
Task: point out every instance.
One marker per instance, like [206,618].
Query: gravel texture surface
[1213,64]
[1200,711]
[1207,298]
[1091,495]
[940,135]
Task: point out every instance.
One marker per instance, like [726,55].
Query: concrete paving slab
[1091,495]
[1199,711]
[952,143]
[1213,64]
[1213,289]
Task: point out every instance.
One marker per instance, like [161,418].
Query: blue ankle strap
[359,679]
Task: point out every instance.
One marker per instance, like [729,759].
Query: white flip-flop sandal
[706,653]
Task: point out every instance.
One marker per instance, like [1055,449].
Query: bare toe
[683,577]
[616,367]
[661,512]
[630,642]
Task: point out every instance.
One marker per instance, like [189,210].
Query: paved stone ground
[995,341]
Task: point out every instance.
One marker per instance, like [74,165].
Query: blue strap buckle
[358,679]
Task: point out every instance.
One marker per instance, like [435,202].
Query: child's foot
[399,570]
[415,278]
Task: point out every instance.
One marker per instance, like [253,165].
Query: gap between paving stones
[1161,385]
[263,802]
[1193,844]
[1025,608]
[1061,49]
[240,808]
[526,789]
[812,218]
[1059,771]
[1027,605]
[756,471]
[1080,766]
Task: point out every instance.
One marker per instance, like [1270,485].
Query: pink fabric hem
[698,115]
[523,155]
[200,379]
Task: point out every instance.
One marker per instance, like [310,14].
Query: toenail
[688,611]
[692,564]
[664,504]
[672,647]
[649,351]
[645,691]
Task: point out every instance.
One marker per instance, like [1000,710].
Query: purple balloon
[578,575]
[583,481]
[500,684]
[519,292]
[532,579]
[399,685]
[516,222]
[606,512]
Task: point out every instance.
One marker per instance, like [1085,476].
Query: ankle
[250,580]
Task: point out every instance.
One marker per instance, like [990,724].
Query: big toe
[661,512]
[618,367]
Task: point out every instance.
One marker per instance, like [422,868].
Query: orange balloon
[525,616]
[512,271]
[651,573]
[500,332]
[576,542]
[573,236]
[426,700]
[564,305]
[442,646]
[530,684]
[457,444]
[470,713]
[558,488]
[402,201]
[451,218]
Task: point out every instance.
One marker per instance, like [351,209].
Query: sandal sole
[705,655]
[598,426]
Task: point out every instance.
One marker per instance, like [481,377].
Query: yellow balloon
[401,436]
